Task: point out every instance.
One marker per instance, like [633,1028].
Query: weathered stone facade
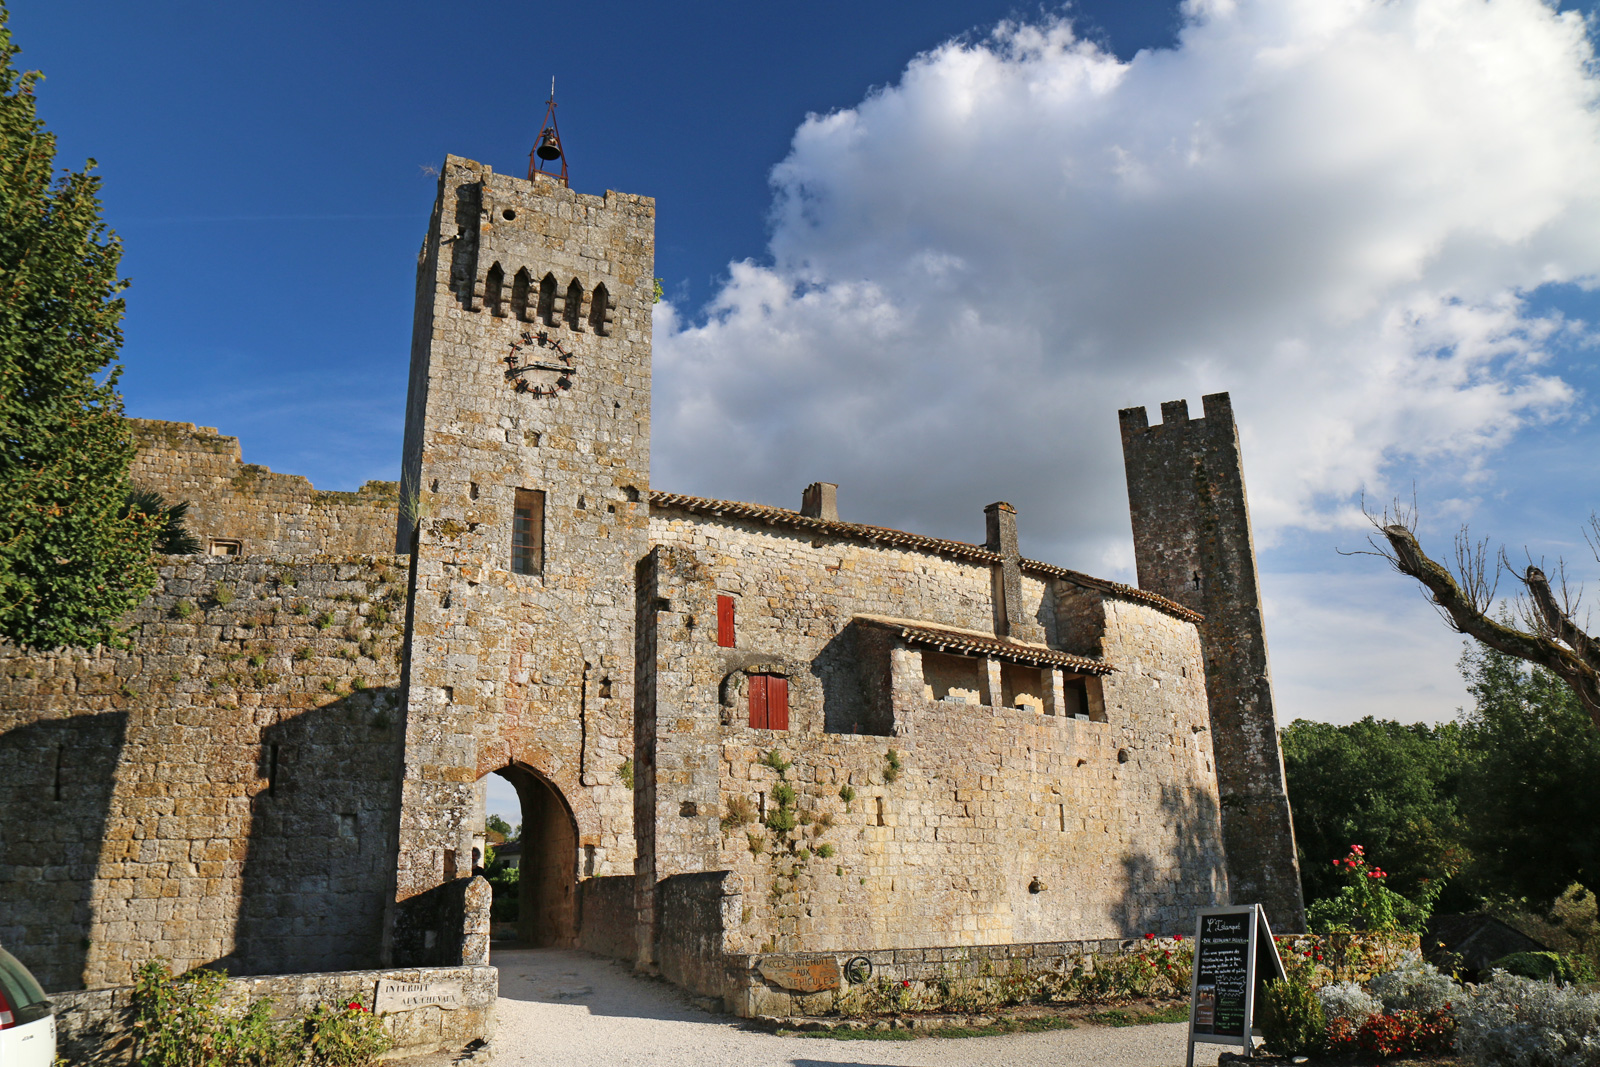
[1193,543]
[244,509]
[740,734]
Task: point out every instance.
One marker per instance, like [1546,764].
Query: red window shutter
[725,621]
[777,703]
[758,702]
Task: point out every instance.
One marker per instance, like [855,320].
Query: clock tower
[525,505]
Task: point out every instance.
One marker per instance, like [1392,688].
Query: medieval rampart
[222,789]
[238,508]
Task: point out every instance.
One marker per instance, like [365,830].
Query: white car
[27,1023]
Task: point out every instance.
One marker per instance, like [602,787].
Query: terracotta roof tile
[970,642]
[882,535]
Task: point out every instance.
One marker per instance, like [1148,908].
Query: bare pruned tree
[1465,596]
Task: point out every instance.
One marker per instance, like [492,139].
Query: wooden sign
[1234,957]
[808,976]
[404,996]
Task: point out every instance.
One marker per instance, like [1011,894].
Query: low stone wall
[694,911]
[607,916]
[820,983]
[94,1027]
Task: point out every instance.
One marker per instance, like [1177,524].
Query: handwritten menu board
[1234,957]
[1222,974]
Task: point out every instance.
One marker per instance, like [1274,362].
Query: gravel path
[571,1009]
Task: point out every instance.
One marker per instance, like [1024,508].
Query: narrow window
[272,771]
[493,283]
[725,621]
[600,310]
[60,755]
[769,702]
[449,864]
[519,295]
[574,308]
[527,532]
[547,299]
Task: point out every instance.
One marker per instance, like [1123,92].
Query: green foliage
[178,1022]
[740,813]
[73,558]
[826,852]
[1546,966]
[499,826]
[222,594]
[775,760]
[174,538]
[1291,1019]
[846,794]
[891,766]
[625,773]
[349,1036]
[1365,902]
[1532,807]
[656,297]
[1392,787]
[183,609]
[324,620]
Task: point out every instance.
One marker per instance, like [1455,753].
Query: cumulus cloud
[1331,208]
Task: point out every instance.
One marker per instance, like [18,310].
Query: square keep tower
[525,500]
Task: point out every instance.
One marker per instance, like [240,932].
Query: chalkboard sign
[1234,956]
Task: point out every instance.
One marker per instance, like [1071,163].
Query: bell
[549,147]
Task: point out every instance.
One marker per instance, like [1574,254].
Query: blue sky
[939,255]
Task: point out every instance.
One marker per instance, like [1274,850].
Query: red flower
[905,984]
[1177,937]
[1149,937]
[354,1006]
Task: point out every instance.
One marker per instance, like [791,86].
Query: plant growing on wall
[891,766]
[73,558]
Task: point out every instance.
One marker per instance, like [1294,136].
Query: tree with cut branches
[1464,597]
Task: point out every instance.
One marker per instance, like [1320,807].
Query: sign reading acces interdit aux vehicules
[405,996]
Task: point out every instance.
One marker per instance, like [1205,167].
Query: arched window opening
[493,283]
[600,305]
[574,309]
[519,295]
[547,300]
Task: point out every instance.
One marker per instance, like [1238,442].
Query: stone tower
[524,498]
[1193,544]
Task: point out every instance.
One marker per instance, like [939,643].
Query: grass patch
[1177,1013]
[853,1035]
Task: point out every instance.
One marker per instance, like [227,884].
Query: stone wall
[221,789]
[95,1027]
[246,509]
[1193,543]
[999,824]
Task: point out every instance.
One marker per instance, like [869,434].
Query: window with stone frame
[527,532]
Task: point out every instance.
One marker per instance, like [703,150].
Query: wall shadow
[547,897]
[319,861]
[1163,891]
[854,672]
[56,783]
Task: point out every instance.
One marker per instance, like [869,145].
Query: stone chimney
[821,501]
[1010,620]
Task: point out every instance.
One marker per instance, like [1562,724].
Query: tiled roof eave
[883,535]
[1031,655]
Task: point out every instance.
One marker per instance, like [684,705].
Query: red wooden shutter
[758,701]
[777,703]
[725,621]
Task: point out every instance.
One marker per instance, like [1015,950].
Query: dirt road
[570,1009]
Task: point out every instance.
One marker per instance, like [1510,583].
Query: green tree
[72,558]
[1531,807]
[1388,787]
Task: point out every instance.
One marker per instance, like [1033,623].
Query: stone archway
[547,898]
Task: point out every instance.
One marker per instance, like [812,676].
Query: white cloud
[1327,207]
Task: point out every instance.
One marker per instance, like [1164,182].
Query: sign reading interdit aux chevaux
[1234,956]
[404,996]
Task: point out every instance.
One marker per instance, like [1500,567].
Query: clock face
[538,365]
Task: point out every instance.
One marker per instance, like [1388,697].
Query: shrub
[846,794]
[1405,1033]
[222,594]
[625,773]
[183,609]
[350,1036]
[1346,1000]
[1510,1021]
[775,760]
[1291,1019]
[740,813]
[1365,903]
[1549,966]
[1414,985]
[178,1023]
